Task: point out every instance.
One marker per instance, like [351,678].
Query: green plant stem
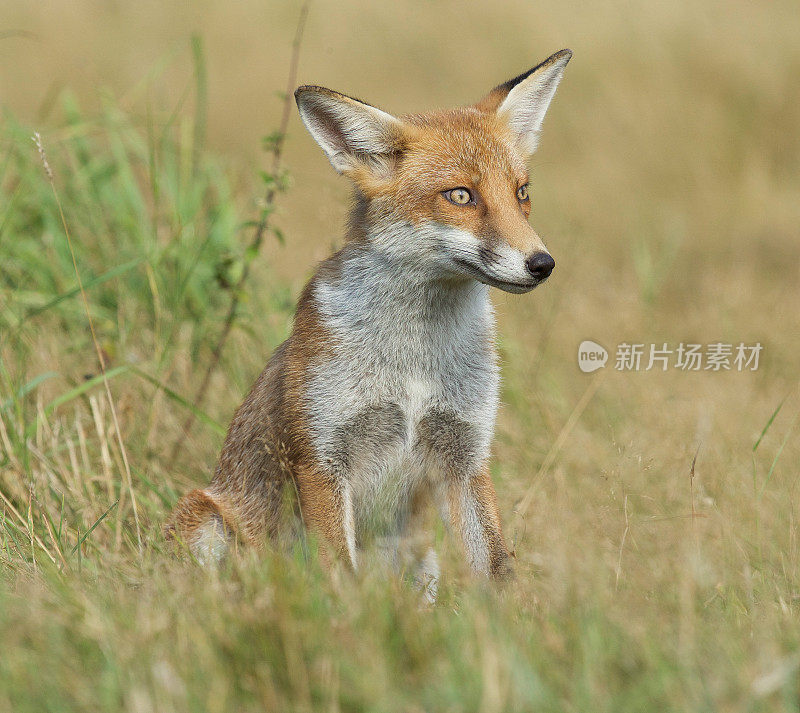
[258,239]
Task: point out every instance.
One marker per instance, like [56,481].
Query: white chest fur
[402,346]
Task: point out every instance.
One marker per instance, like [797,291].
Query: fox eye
[522,193]
[459,196]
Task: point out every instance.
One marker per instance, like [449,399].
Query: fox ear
[522,102]
[353,135]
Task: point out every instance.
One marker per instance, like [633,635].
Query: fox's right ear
[353,135]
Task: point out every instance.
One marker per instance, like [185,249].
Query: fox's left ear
[523,101]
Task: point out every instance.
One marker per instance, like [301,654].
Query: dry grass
[667,189]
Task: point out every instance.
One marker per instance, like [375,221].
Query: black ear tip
[307,93]
[565,54]
[303,89]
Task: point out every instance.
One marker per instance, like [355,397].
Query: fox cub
[385,393]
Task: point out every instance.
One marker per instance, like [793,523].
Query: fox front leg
[327,506]
[472,509]
[465,492]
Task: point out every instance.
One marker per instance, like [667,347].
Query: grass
[666,187]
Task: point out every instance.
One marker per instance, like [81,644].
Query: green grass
[637,589]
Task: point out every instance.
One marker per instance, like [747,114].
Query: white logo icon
[591,357]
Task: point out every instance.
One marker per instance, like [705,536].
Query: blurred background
[677,119]
[666,186]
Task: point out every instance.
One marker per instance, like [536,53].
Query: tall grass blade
[197,412]
[27,388]
[86,534]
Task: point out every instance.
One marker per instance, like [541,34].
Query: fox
[384,396]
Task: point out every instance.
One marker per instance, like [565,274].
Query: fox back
[384,395]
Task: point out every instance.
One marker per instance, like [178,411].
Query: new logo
[591,356]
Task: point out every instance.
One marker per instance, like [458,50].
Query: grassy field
[667,187]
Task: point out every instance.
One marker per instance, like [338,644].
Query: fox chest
[384,413]
[409,385]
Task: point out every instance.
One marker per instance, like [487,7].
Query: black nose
[540,265]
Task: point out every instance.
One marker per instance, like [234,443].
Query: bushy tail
[198,524]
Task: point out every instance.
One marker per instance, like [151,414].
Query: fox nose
[540,265]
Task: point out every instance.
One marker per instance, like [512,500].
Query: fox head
[445,191]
